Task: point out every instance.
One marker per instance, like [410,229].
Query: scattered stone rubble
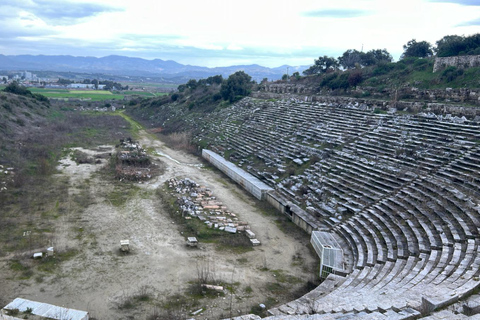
[132,163]
[6,177]
[196,201]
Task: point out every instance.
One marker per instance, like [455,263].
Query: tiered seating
[401,194]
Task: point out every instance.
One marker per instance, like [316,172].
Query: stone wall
[287,88]
[469,112]
[460,62]
[448,95]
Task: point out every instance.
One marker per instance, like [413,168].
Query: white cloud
[213,32]
[234,47]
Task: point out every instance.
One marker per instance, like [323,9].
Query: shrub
[326,80]
[355,78]
[451,73]
[383,68]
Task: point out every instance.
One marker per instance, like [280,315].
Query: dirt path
[100,279]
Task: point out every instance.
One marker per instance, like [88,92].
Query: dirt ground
[99,278]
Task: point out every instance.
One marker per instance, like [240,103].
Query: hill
[128,66]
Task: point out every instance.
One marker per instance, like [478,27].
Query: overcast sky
[226,32]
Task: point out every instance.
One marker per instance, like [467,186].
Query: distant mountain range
[127,66]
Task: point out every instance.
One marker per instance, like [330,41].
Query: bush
[340,82]
[451,73]
[355,78]
[326,80]
[383,68]
[17,89]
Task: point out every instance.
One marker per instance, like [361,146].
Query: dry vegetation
[35,136]
[179,141]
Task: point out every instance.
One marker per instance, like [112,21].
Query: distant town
[30,79]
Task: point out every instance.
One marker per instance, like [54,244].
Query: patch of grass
[130,301]
[275,288]
[285,278]
[180,303]
[121,194]
[379,111]
[25,271]
[97,95]
[83,199]
[135,127]
[232,287]
[50,264]
[16,265]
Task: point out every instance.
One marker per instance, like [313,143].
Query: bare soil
[98,278]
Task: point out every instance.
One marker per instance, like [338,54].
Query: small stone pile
[197,201]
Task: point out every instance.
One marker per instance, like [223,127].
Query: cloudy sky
[227,32]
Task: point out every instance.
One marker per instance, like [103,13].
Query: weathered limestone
[460,62]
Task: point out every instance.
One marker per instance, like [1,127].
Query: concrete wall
[243,178]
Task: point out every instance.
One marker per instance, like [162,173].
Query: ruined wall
[462,95]
[460,62]
[439,108]
[287,88]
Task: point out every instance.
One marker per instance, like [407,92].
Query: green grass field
[97,95]
[143,94]
[150,85]
[92,95]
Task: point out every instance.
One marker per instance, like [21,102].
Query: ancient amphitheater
[399,191]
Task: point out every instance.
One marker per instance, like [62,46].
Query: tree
[181,88]
[454,45]
[353,58]
[450,46]
[218,79]
[64,81]
[376,56]
[355,77]
[414,49]
[192,84]
[285,77]
[350,58]
[473,44]
[238,85]
[322,65]
[15,88]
